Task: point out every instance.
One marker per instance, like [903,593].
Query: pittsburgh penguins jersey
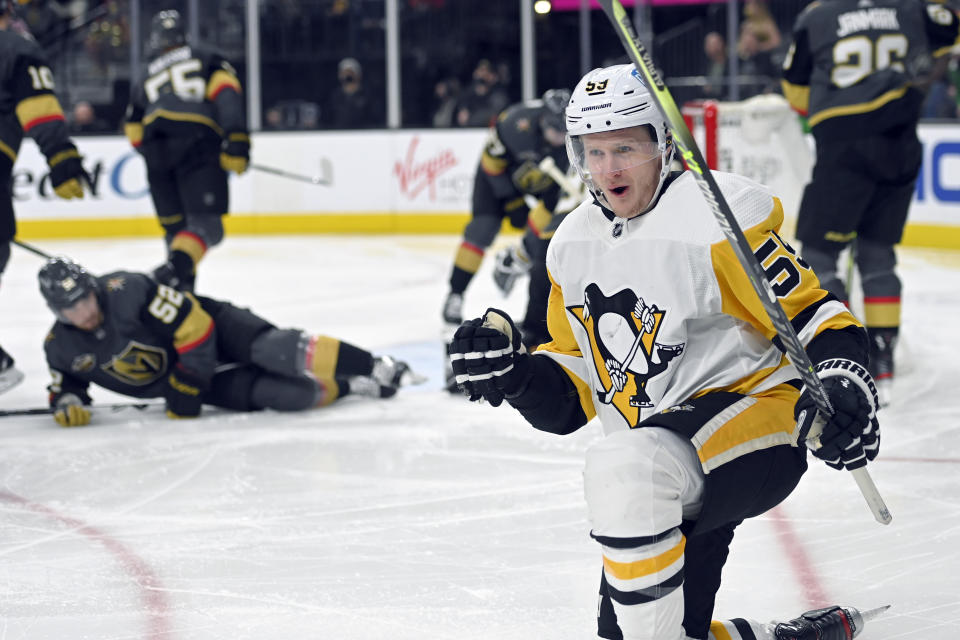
[186,92]
[514,149]
[649,312]
[147,329]
[28,104]
[853,64]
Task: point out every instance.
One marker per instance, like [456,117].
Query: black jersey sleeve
[62,382]
[225,92]
[36,105]
[943,28]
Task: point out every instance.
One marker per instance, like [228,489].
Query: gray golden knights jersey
[648,312]
[27,100]
[852,62]
[186,92]
[147,330]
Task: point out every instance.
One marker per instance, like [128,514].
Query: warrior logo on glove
[623,332]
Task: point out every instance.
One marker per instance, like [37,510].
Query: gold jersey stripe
[221,80]
[514,204]
[750,424]
[719,631]
[538,218]
[181,116]
[134,133]
[194,329]
[8,151]
[563,342]
[645,567]
[190,244]
[797,95]
[38,109]
[863,107]
[322,355]
[492,166]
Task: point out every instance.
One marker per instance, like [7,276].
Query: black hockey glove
[488,359]
[235,152]
[851,436]
[66,172]
[183,394]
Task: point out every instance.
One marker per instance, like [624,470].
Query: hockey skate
[453,309]
[831,623]
[882,344]
[511,263]
[10,376]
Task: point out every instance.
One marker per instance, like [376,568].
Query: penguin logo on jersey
[623,337]
[138,364]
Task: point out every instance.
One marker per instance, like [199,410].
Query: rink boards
[407,181]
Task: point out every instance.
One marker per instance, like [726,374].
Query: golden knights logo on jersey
[138,364]
[623,338]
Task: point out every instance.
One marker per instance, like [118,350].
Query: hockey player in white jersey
[657,331]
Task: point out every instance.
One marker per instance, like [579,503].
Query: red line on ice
[154,599]
[807,575]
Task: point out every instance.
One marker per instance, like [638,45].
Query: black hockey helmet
[166,30]
[63,282]
[554,108]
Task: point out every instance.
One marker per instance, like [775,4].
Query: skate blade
[872,614]
[9,379]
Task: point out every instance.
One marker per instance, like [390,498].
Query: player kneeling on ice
[657,331]
[126,333]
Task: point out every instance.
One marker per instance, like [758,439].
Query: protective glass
[596,154]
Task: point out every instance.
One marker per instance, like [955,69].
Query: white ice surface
[422,516]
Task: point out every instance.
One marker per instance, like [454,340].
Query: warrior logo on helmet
[623,332]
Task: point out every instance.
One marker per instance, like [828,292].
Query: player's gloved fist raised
[235,152]
[70,411]
[487,357]
[851,436]
[66,172]
[183,394]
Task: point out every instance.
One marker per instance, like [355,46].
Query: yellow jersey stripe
[864,107]
[646,567]
[194,329]
[179,116]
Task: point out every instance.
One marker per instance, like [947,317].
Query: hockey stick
[40,411]
[549,167]
[31,249]
[325,178]
[682,137]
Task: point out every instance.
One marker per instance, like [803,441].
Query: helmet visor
[608,152]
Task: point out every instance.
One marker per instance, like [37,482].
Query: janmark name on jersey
[865,19]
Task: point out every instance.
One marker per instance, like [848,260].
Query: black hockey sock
[353,361]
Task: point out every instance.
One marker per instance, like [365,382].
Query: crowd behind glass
[322,62]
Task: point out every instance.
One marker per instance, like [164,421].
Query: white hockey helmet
[608,99]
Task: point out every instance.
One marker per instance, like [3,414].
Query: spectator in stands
[758,71]
[483,99]
[350,106]
[84,119]
[446,93]
[715,50]
[759,22]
